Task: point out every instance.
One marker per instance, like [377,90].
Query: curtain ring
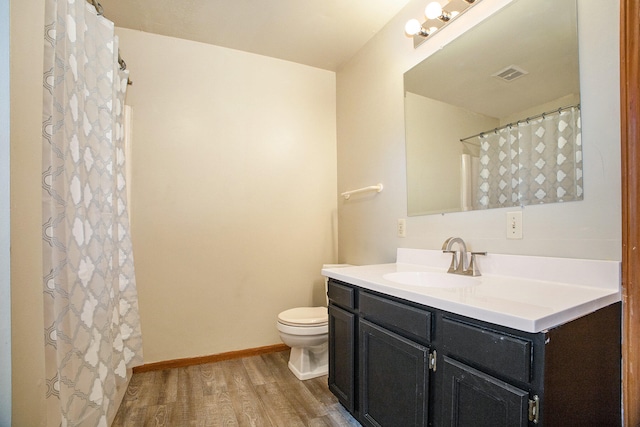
[98,7]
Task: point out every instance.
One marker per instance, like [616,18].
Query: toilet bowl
[306,331]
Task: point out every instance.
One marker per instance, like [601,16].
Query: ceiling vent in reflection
[510,73]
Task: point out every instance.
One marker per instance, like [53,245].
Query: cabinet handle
[534,409]
[432,360]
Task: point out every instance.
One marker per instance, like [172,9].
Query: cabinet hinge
[534,409]
[432,360]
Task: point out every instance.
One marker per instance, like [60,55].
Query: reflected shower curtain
[92,328]
[535,161]
[499,162]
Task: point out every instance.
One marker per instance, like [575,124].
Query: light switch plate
[402,227]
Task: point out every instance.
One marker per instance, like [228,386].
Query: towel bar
[377,188]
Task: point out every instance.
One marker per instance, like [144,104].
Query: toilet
[306,331]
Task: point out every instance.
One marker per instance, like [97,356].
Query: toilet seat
[304,316]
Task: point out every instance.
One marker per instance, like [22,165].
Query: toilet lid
[304,316]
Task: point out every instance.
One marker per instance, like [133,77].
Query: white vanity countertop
[527,293]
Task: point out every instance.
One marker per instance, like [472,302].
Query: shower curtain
[92,328]
[534,161]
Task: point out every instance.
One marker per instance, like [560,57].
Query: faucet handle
[473,268]
[454,261]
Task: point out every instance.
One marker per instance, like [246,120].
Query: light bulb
[412,27]
[433,10]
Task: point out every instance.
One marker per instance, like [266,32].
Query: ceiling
[322,34]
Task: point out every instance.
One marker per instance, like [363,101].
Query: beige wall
[27,353]
[371,149]
[234,183]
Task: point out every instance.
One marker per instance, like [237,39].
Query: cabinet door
[394,378]
[472,398]
[342,345]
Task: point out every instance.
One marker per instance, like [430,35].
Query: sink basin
[430,279]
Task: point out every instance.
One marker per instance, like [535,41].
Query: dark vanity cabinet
[379,357]
[343,322]
[475,393]
[394,358]
[398,363]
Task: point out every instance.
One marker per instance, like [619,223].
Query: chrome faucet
[459,260]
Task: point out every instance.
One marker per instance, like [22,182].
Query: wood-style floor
[253,391]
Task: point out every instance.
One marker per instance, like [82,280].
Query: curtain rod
[546,113]
[100,11]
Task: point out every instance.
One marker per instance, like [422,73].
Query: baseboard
[180,363]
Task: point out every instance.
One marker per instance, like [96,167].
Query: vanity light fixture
[433,12]
[413,27]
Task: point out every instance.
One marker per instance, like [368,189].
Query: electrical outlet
[402,227]
[514,225]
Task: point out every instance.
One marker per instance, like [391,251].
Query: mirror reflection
[493,119]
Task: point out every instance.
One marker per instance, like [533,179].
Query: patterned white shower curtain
[499,161]
[535,161]
[92,327]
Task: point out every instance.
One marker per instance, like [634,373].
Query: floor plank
[257,370]
[169,379]
[278,408]
[253,391]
